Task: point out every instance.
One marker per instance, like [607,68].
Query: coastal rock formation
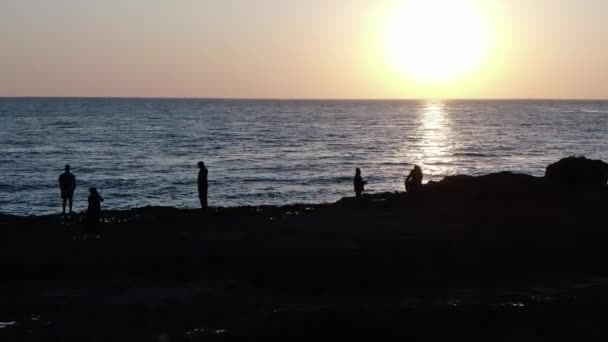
[577,171]
[512,251]
[492,188]
[490,182]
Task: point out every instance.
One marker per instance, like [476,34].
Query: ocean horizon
[143,151]
[321,99]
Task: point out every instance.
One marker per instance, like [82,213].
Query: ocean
[141,152]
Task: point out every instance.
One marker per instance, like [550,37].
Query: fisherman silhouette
[413,182]
[94,209]
[203,185]
[67,185]
[358,183]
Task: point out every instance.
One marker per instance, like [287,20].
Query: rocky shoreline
[500,256]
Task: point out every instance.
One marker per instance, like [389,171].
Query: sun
[437,41]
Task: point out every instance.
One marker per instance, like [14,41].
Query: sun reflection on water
[432,150]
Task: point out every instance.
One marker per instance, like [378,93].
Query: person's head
[93,191]
[358,171]
[417,168]
[201,165]
[67,168]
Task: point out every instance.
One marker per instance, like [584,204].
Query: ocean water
[140,152]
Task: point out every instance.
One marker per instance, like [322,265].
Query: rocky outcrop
[578,171]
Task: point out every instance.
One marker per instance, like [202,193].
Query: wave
[473,154]
[64,124]
[593,111]
[24,188]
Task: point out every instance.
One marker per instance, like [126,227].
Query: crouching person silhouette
[94,210]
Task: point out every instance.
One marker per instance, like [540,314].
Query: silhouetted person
[94,209]
[202,184]
[413,182]
[67,185]
[358,183]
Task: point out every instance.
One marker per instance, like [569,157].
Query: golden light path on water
[432,151]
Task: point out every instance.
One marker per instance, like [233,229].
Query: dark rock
[493,180]
[492,185]
[578,171]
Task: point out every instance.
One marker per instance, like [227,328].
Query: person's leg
[70,201]
[63,200]
[205,204]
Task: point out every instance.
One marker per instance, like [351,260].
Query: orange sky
[287,49]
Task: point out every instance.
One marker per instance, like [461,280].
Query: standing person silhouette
[67,185]
[358,183]
[203,185]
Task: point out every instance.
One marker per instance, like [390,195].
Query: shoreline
[367,196]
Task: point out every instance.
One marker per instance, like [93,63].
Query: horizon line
[305,98]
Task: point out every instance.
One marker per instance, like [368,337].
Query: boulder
[502,186]
[578,171]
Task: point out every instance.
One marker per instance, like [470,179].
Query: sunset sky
[305,48]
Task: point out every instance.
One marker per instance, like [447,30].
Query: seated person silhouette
[359,183]
[413,182]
